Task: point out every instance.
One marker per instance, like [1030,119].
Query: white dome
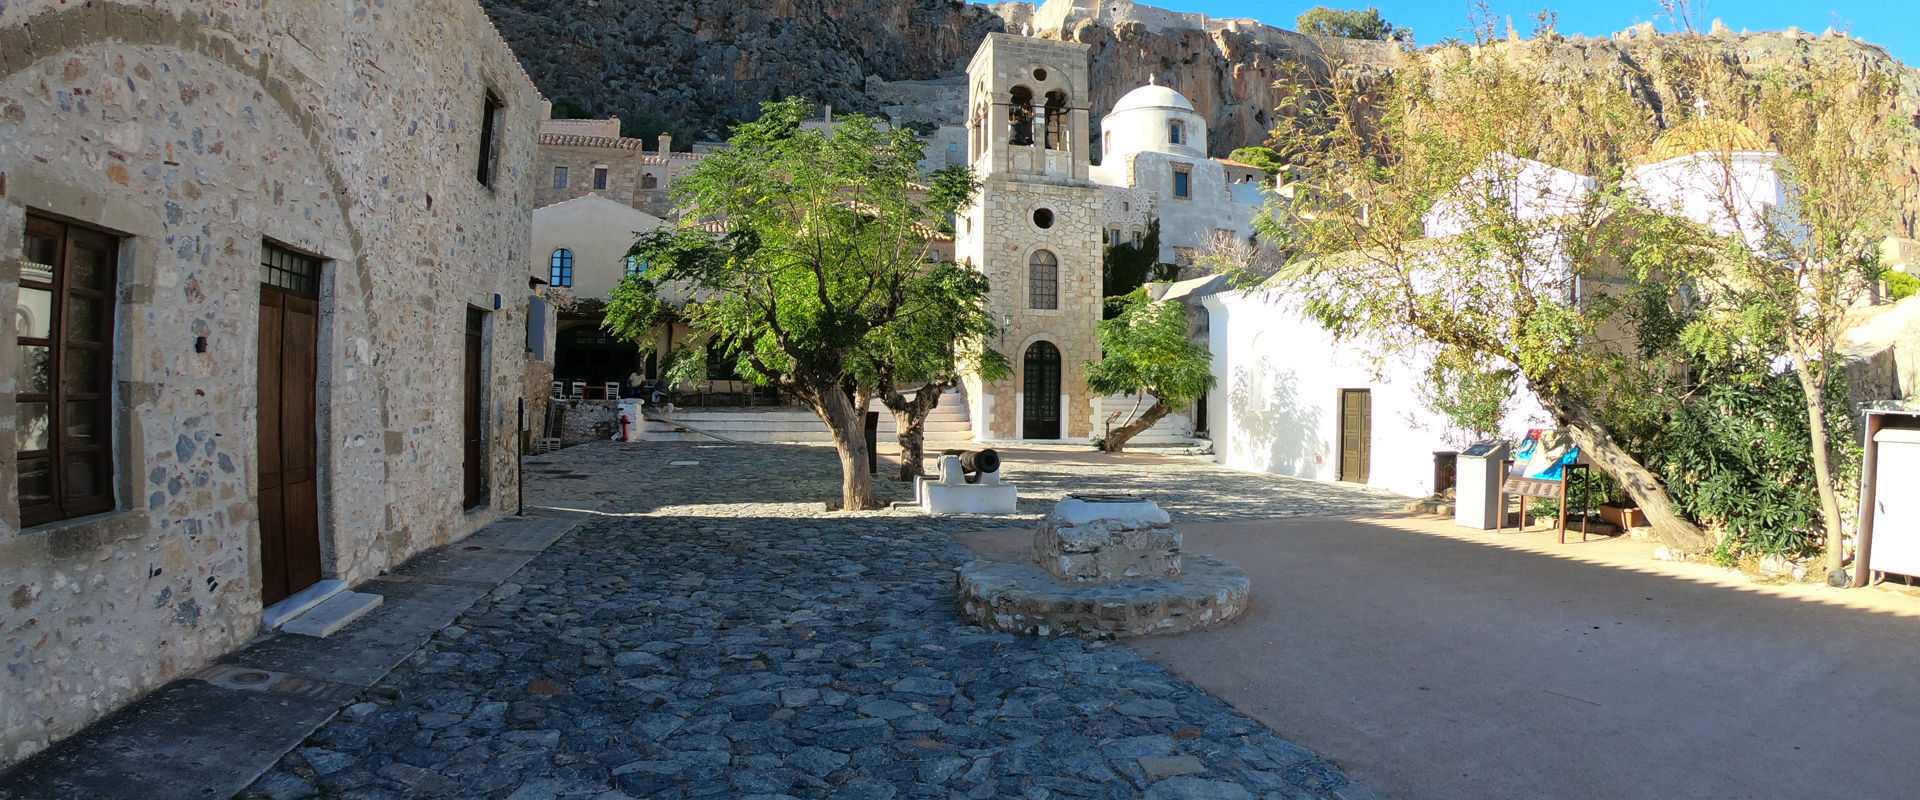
[1151,96]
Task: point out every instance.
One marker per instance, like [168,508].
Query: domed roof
[1152,96]
[1705,136]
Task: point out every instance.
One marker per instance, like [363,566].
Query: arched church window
[561,268]
[1043,280]
[1020,117]
[1176,132]
[1056,120]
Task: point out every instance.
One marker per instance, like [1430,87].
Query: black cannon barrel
[980,461]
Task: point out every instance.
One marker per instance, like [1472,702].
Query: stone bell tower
[1034,230]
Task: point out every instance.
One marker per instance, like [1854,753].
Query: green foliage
[1350,24]
[819,265]
[1471,394]
[1900,284]
[1265,158]
[1125,267]
[1147,350]
[1738,456]
[941,334]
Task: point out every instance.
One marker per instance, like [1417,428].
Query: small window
[1039,73]
[1043,218]
[953,147]
[561,273]
[599,177]
[64,331]
[490,121]
[1113,236]
[1043,280]
[1136,239]
[648,181]
[635,266]
[1176,132]
[1182,183]
[559,177]
[284,269]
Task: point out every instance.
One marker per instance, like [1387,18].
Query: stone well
[1103,566]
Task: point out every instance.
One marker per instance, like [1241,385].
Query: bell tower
[1034,230]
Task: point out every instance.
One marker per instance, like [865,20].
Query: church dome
[1706,136]
[1152,96]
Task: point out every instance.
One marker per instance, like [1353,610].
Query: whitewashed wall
[1276,407]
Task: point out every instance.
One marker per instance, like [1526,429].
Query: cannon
[974,463]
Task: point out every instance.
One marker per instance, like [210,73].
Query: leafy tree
[1263,157]
[941,335]
[1350,24]
[1782,278]
[1520,282]
[822,250]
[1147,352]
[1126,266]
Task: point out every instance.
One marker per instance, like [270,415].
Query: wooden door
[288,441]
[475,435]
[1356,434]
[1041,405]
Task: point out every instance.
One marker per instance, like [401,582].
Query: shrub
[1738,457]
[1900,284]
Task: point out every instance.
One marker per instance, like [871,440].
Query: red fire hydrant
[625,420]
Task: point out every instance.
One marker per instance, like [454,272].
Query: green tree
[1782,278]
[941,335]
[1147,352]
[822,247]
[1519,282]
[1350,24]
[1263,157]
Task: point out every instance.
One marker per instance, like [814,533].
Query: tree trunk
[1642,485]
[1836,543]
[910,420]
[1117,438]
[847,424]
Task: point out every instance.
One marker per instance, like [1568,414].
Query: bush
[1900,284]
[1738,457]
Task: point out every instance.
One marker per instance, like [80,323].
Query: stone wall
[344,130]
[582,421]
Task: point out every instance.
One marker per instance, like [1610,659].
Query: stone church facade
[1034,230]
[266,274]
[1039,225]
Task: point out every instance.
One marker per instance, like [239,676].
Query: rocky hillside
[695,66]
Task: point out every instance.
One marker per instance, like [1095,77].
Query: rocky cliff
[696,66]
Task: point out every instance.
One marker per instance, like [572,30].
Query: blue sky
[1889,23]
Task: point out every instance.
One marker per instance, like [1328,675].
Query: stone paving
[715,633]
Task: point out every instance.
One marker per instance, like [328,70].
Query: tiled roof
[579,140]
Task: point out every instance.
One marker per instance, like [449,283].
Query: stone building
[271,306]
[578,157]
[1044,211]
[1034,230]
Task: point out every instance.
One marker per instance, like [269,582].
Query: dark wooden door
[289,496]
[474,435]
[1041,407]
[1356,434]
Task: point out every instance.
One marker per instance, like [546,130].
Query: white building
[1154,164]
[1292,401]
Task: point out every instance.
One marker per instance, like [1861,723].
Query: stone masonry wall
[195,130]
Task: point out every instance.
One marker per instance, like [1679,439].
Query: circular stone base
[1022,598]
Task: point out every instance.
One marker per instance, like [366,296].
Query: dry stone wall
[195,131]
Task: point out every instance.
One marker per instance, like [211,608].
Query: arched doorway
[1040,411]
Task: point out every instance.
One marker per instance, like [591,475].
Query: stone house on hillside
[267,269]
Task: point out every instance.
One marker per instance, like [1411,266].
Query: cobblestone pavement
[715,633]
